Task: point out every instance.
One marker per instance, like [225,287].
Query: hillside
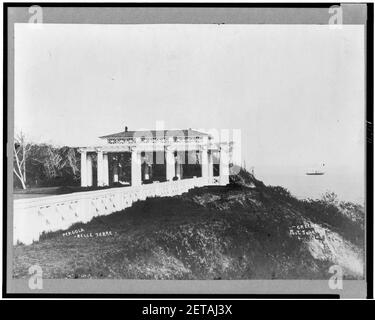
[242,231]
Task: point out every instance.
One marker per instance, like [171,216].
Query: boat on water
[316,170]
[315,173]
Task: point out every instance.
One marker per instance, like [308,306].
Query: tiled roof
[157,133]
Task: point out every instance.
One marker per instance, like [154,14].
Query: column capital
[134,149]
[224,147]
[169,148]
[203,147]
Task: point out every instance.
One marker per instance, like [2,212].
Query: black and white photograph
[222,148]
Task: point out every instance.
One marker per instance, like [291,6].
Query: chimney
[126,129]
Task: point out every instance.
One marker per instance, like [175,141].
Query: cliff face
[243,231]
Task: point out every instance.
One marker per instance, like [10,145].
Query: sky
[296,92]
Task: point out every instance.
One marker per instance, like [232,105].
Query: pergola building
[141,157]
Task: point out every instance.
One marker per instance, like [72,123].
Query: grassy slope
[232,232]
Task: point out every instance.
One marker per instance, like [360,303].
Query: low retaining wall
[32,217]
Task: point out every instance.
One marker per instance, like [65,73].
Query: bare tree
[56,162]
[72,161]
[20,151]
[51,160]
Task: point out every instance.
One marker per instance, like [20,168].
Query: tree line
[44,165]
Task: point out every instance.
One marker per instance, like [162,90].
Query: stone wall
[32,217]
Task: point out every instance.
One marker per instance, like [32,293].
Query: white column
[89,171]
[224,165]
[210,166]
[105,170]
[136,168]
[99,166]
[179,161]
[178,170]
[83,169]
[170,164]
[115,171]
[204,164]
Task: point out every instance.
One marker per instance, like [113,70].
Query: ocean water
[347,184]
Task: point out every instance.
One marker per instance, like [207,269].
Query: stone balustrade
[34,216]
